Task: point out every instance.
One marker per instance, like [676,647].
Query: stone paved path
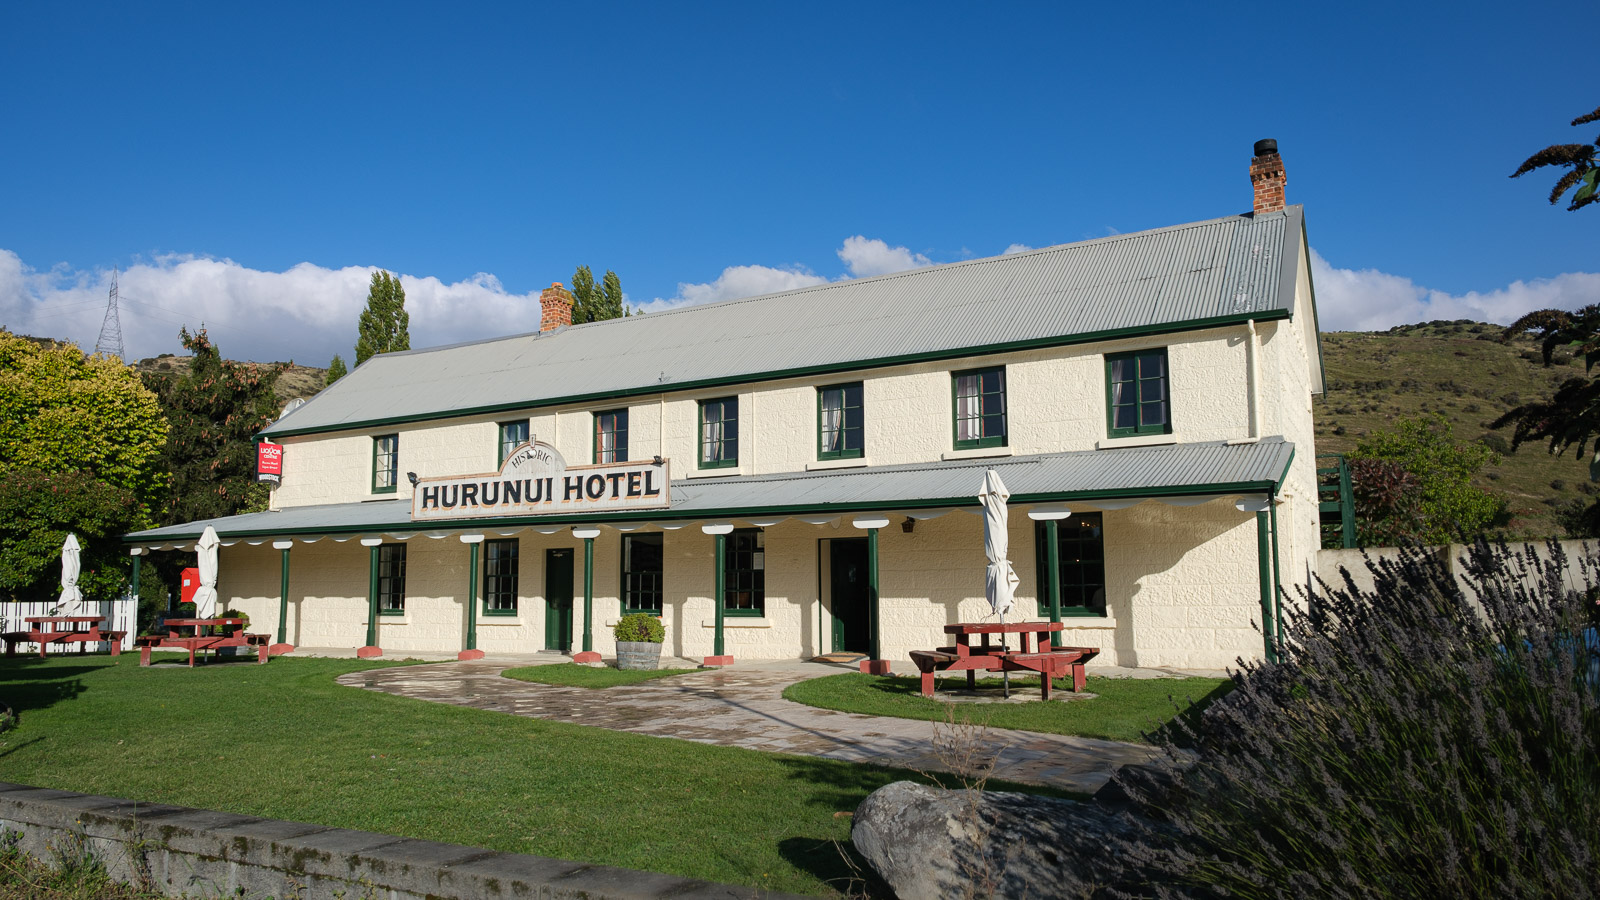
[743,706]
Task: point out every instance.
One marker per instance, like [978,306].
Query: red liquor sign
[269,462]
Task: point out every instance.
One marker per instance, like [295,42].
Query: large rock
[928,842]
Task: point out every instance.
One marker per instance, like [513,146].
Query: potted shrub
[639,638]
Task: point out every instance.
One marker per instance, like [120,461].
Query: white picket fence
[122,613]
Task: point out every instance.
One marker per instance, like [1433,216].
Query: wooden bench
[198,643]
[1048,664]
[45,634]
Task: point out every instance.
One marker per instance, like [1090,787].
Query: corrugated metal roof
[1179,469]
[1237,266]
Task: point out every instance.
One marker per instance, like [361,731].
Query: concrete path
[743,706]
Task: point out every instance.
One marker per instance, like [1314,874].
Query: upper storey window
[611,436]
[512,436]
[719,433]
[839,422]
[385,463]
[1137,393]
[980,408]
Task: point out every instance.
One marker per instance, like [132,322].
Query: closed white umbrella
[205,598]
[70,602]
[1000,579]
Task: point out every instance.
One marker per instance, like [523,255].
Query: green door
[847,580]
[558,600]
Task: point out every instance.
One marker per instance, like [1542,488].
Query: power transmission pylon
[110,341]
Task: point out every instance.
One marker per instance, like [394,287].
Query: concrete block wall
[1182,589]
[1056,401]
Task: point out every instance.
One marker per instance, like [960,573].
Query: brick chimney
[1266,174]
[555,306]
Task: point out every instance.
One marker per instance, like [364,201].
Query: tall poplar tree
[596,302]
[384,325]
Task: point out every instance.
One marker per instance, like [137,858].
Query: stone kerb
[194,852]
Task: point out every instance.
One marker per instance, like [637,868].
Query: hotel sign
[535,480]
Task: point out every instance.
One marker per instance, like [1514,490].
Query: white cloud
[868,257]
[1016,248]
[736,282]
[307,312]
[1370,300]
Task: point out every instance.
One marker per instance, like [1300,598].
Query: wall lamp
[908,524]
[413,477]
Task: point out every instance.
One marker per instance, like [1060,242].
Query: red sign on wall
[269,462]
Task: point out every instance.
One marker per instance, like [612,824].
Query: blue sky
[248,167]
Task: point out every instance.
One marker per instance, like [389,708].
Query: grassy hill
[296,381]
[1460,369]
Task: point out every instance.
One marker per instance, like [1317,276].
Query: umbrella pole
[1005,674]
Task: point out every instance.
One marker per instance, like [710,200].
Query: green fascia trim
[742,512]
[1282,476]
[653,390]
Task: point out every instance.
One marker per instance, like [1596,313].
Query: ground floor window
[641,573]
[500,577]
[745,574]
[392,579]
[1082,573]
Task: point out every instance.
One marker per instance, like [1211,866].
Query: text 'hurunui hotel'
[797,474]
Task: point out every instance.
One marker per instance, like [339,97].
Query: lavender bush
[1420,741]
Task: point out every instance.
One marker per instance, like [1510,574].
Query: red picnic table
[47,630]
[1045,661]
[198,641]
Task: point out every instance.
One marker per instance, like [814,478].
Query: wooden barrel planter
[639,655]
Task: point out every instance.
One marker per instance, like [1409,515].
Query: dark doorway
[558,600]
[847,581]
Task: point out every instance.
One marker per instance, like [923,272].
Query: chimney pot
[1267,177]
[555,307]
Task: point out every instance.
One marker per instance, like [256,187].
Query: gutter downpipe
[371,650]
[1263,556]
[471,650]
[1053,577]
[1277,588]
[1255,380]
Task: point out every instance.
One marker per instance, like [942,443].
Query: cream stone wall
[1181,590]
[1056,401]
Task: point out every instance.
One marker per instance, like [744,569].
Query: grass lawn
[574,675]
[1125,709]
[284,741]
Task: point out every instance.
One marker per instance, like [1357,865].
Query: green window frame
[840,421]
[500,562]
[643,557]
[744,573]
[385,463]
[1081,548]
[511,436]
[611,436]
[1138,394]
[719,433]
[978,404]
[391,579]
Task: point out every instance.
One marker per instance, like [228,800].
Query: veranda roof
[1195,470]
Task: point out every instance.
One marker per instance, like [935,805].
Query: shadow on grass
[835,863]
[27,684]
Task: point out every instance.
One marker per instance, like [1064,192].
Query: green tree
[1570,417]
[336,370]
[597,302]
[1414,483]
[1579,160]
[39,509]
[80,452]
[63,412]
[385,325]
[215,408]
